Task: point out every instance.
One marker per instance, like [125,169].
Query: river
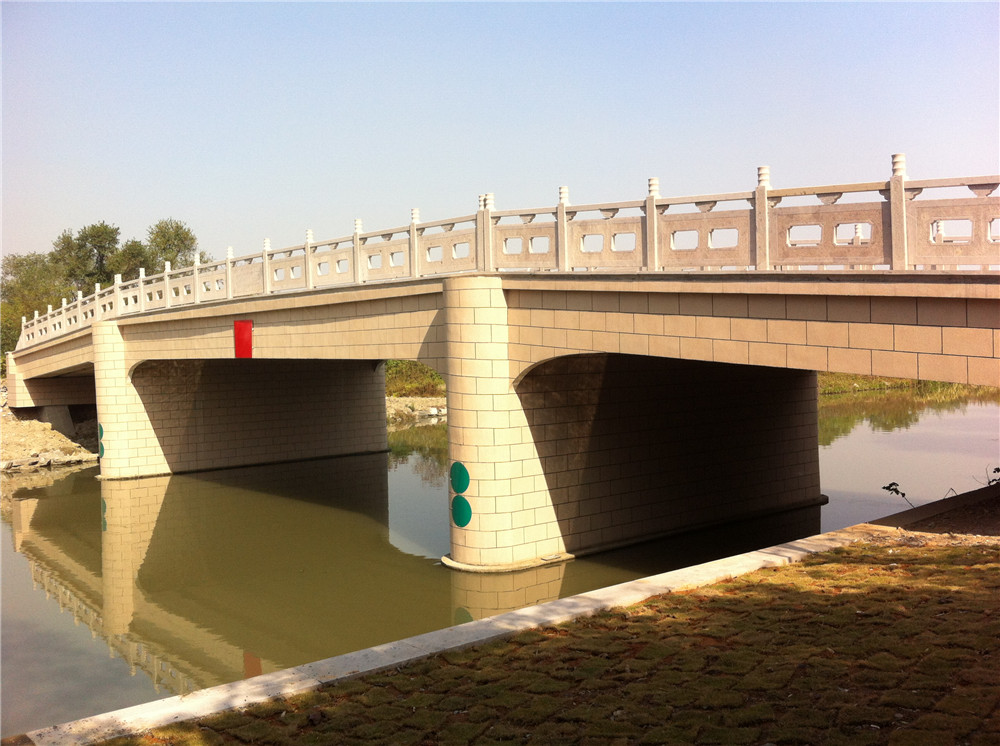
[118,593]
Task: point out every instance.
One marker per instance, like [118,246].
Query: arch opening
[633,447]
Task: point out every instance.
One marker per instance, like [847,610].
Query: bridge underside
[189,415]
[618,448]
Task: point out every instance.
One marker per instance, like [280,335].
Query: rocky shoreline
[27,444]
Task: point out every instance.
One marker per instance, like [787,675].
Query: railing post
[266,266]
[308,269]
[489,263]
[897,213]
[142,289]
[167,295]
[118,296]
[195,281]
[562,230]
[360,268]
[651,239]
[480,231]
[762,219]
[415,243]
[229,272]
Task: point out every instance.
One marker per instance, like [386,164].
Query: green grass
[410,378]
[843,383]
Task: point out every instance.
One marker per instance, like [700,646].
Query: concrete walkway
[303,679]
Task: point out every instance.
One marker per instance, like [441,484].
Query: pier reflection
[208,578]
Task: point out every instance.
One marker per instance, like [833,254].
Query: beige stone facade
[537,319]
[549,381]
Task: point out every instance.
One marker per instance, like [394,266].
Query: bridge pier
[494,522]
[587,452]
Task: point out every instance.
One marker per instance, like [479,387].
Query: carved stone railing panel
[609,243]
[527,246]
[705,240]
[837,234]
[950,233]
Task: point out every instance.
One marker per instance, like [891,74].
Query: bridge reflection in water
[208,578]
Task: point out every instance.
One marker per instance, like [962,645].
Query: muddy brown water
[117,595]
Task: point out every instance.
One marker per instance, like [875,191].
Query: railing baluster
[360,267]
[897,213]
[308,268]
[650,221]
[167,293]
[266,271]
[229,272]
[562,230]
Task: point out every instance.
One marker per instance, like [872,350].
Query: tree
[84,258]
[77,262]
[30,282]
[171,241]
[130,258]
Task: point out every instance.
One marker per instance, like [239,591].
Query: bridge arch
[618,448]
[181,415]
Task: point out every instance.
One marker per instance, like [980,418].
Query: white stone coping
[389,655]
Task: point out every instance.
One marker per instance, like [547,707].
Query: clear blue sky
[254,120]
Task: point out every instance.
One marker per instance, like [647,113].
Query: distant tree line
[31,282]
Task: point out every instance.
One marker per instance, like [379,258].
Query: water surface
[116,593]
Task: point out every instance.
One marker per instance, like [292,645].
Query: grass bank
[867,644]
[410,378]
[846,383]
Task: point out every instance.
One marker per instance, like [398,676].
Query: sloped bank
[27,444]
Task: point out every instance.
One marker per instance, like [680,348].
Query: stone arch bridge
[614,371]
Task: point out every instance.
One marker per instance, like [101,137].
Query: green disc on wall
[461,511]
[459,477]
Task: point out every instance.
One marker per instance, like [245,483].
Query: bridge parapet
[880,225]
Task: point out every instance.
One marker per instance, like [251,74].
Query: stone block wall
[591,451]
[632,447]
[190,415]
[776,325]
[46,392]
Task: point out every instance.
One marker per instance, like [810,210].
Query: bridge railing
[898,225]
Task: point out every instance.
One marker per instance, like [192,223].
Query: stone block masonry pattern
[177,416]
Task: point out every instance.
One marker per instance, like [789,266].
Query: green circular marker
[100,431]
[459,477]
[100,450]
[461,511]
